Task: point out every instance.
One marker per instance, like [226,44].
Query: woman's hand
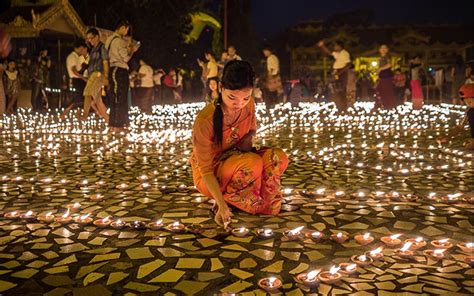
[223,215]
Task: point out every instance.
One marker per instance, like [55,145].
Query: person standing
[75,64]
[145,91]
[342,73]
[12,86]
[40,81]
[385,88]
[98,73]
[274,87]
[213,90]
[416,66]
[173,83]
[458,74]
[232,54]
[120,52]
[399,80]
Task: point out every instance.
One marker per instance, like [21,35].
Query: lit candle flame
[316,234]
[106,219]
[339,193]
[296,230]
[29,213]
[271,281]
[406,246]
[376,251]
[443,241]
[339,235]
[366,236]
[395,236]
[267,231]
[119,221]
[84,217]
[334,270]
[76,205]
[438,251]
[470,245]
[66,214]
[320,190]
[49,214]
[312,275]
[419,239]
[362,258]
[176,224]
[159,222]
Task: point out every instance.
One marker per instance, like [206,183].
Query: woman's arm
[223,212]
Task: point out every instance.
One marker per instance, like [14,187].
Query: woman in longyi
[225,166]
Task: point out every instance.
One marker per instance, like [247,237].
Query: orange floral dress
[249,181]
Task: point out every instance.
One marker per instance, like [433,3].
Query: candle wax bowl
[316,238]
[264,284]
[28,218]
[376,256]
[435,256]
[292,236]
[46,219]
[12,215]
[302,278]
[329,278]
[415,245]
[137,225]
[408,254]
[117,225]
[101,223]
[357,260]
[176,228]
[465,248]
[261,232]
[85,221]
[343,238]
[239,232]
[439,245]
[343,269]
[155,226]
[391,242]
[360,239]
[63,220]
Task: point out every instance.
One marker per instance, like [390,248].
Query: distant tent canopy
[199,20]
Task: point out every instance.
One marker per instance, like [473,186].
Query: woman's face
[213,85]
[383,49]
[236,100]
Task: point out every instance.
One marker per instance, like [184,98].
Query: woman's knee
[253,161]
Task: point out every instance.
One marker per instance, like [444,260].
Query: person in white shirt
[274,87]
[144,98]
[75,65]
[232,54]
[120,51]
[343,75]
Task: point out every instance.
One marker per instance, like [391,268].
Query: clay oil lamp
[48,218]
[466,247]
[405,251]
[74,207]
[28,216]
[264,232]
[240,232]
[118,224]
[339,237]
[362,260]
[12,215]
[122,186]
[417,243]
[157,225]
[200,199]
[347,268]
[176,227]
[376,254]
[142,178]
[97,197]
[469,260]
[309,279]
[392,241]
[436,254]
[364,239]
[359,194]
[293,234]
[195,228]
[145,185]
[102,223]
[331,276]
[101,184]
[442,244]
[339,194]
[137,225]
[315,236]
[270,284]
[83,220]
[65,218]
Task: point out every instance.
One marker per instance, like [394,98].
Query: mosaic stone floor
[381,173]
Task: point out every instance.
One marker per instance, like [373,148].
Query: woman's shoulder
[206,113]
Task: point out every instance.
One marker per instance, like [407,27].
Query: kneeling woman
[225,166]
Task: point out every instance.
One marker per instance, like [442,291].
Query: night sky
[272,16]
